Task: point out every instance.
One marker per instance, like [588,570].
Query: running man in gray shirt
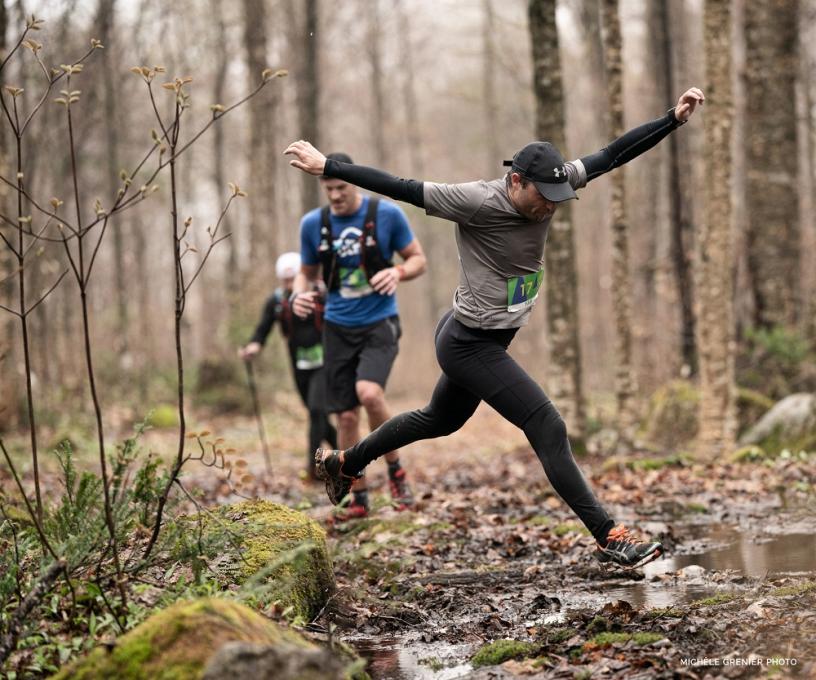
[501,230]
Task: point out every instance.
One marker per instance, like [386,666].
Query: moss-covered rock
[671,421]
[283,551]
[178,642]
[790,424]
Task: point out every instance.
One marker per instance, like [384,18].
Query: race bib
[308,358]
[353,283]
[522,291]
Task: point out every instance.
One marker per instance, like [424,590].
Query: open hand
[307,158]
[687,103]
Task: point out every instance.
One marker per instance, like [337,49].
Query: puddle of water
[753,556]
[403,659]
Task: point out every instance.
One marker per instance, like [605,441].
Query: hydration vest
[371,258]
[288,320]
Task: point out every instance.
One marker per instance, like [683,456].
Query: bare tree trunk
[621,282]
[564,379]
[715,253]
[377,90]
[263,114]
[221,54]
[805,105]
[308,95]
[104,27]
[681,226]
[8,363]
[491,104]
[771,33]
[406,52]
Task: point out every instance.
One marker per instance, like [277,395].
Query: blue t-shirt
[355,302]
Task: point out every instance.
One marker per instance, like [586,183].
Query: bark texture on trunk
[263,117]
[564,375]
[715,263]
[773,237]
[621,281]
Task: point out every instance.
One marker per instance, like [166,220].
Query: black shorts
[311,386]
[354,353]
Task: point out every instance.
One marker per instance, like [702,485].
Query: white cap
[288,265]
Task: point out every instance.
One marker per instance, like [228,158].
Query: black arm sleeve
[264,327]
[408,190]
[630,145]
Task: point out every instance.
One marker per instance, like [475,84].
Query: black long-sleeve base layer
[476,367]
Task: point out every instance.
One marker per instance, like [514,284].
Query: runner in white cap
[305,340]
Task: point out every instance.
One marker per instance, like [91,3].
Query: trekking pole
[253,390]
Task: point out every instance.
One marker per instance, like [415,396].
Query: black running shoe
[327,468]
[400,490]
[622,549]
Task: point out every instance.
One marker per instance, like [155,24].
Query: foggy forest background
[440,90]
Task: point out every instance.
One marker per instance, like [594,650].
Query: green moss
[538,520]
[698,508]
[666,612]
[720,598]
[675,460]
[604,639]
[799,589]
[433,663]
[559,635]
[177,643]
[598,625]
[569,527]
[500,651]
[284,551]
[164,415]
[747,454]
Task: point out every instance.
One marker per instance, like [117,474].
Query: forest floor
[491,554]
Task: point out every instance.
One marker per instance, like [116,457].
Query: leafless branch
[46,294]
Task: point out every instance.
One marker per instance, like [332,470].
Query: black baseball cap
[543,165]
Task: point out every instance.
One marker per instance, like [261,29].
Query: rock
[790,424]
[180,641]
[692,571]
[758,609]
[671,421]
[284,661]
[283,550]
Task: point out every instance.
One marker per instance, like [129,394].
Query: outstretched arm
[309,159]
[642,138]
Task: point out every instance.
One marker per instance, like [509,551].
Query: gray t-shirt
[500,251]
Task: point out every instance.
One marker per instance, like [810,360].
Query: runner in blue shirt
[351,244]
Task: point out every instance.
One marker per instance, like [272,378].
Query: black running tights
[476,367]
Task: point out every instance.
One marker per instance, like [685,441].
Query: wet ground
[408,657]
[492,554]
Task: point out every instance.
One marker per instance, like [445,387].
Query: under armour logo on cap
[541,163]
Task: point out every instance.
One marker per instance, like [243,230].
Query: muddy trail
[491,555]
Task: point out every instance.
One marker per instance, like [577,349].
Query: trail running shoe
[327,468]
[401,490]
[353,510]
[622,549]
